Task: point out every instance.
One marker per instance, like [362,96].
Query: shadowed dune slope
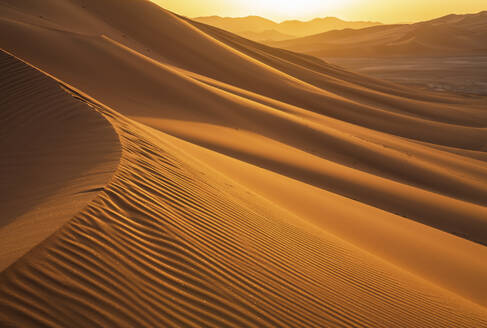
[172,242]
[56,155]
[257,186]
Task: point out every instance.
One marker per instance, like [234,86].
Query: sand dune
[452,35]
[172,242]
[265,36]
[255,186]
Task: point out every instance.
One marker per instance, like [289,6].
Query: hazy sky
[387,11]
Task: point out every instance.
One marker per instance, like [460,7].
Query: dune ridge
[256,186]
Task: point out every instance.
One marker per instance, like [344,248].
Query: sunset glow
[378,10]
[280,10]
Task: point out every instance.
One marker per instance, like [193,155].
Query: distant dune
[452,35]
[260,29]
[267,35]
[161,172]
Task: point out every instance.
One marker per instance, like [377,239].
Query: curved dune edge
[170,242]
[57,154]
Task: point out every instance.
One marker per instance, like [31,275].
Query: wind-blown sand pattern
[255,187]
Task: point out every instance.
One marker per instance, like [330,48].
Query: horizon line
[340,18]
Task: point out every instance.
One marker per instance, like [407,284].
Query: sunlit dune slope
[256,187]
[56,155]
[170,241]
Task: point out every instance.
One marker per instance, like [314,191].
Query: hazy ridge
[261,29]
[452,35]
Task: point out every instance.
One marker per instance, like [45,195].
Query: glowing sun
[283,9]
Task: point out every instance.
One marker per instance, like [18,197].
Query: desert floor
[462,75]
